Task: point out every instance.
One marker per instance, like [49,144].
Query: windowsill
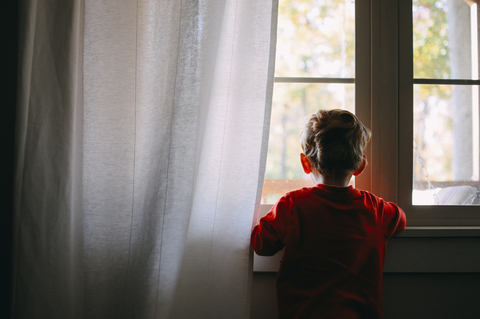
[440,231]
[417,249]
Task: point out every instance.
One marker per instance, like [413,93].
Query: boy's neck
[317,178]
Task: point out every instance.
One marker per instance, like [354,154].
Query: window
[438,99]
[315,69]
[445,103]
[403,83]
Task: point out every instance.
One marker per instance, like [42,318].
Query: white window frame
[384,103]
[418,215]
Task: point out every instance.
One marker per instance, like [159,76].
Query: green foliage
[433,104]
[315,39]
[430,45]
[292,103]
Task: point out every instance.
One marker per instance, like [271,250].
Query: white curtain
[141,141]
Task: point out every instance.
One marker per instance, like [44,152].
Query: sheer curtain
[141,141]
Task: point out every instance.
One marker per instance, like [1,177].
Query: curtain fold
[141,142]
[48,253]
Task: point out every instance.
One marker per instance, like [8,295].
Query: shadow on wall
[8,84]
[405,295]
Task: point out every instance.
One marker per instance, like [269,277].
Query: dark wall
[428,273]
[8,92]
[405,295]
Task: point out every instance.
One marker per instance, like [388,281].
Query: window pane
[291,104]
[445,39]
[316,38]
[446,145]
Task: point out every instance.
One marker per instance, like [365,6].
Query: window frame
[384,103]
[428,215]
[363,68]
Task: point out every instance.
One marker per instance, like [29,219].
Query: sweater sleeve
[394,219]
[268,236]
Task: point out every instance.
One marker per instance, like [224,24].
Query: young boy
[334,235]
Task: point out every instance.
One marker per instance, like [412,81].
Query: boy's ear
[362,166]
[307,168]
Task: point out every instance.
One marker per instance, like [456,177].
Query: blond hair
[333,141]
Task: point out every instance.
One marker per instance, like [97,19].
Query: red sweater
[335,240]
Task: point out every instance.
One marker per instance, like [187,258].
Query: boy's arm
[394,219]
[267,236]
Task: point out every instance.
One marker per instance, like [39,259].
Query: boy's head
[333,141]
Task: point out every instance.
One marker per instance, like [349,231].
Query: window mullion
[363,93]
[384,105]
